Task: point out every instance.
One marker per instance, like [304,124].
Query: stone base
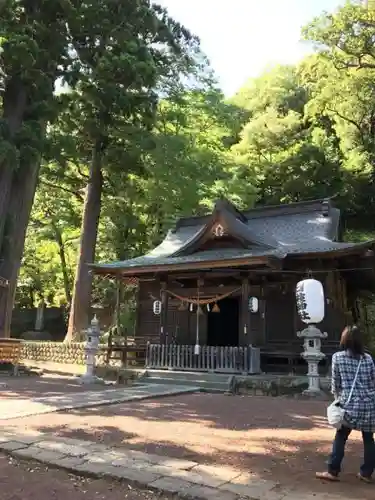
[90,380]
[119,375]
[314,394]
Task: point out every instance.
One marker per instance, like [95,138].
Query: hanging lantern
[253,304]
[310,301]
[208,308]
[216,308]
[156,307]
[191,307]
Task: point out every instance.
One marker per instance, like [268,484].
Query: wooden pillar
[118,305]
[137,311]
[245,333]
[163,314]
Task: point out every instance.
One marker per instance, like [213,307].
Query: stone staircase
[208,382]
[259,385]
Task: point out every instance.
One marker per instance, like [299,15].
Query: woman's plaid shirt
[360,411]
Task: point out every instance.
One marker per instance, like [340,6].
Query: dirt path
[282,440]
[21,480]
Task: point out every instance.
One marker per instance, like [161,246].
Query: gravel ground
[22,480]
[45,385]
[277,439]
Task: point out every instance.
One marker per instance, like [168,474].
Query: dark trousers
[338,451]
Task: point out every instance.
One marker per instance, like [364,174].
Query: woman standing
[360,410]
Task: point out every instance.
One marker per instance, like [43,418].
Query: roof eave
[339,252]
[159,268]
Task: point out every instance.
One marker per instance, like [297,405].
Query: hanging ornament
[191,307]
[156,307]
[310,301]
[216,308]
[253,304]
[208,307]
[197,347]
[182,306]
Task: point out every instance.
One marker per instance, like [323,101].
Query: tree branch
[343,117]
[62,188]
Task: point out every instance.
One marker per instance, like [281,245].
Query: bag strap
[354,382]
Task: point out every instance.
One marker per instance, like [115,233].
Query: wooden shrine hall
[219,291]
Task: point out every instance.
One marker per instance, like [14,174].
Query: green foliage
[172,144]
[277,88]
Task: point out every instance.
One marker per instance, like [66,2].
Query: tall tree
[289,156]
[115,99]
[345,94]
[33,49]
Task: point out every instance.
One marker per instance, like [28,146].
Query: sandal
[326,476]
[367,480]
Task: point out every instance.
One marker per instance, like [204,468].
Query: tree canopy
[140,125]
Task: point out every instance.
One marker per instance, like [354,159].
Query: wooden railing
[210,358]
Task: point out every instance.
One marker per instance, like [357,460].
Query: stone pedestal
[91,349]
[312,355]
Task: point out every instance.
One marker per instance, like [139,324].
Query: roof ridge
[322,204]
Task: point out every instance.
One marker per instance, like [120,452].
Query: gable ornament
[218,231]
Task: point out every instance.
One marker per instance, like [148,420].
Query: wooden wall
[275,325]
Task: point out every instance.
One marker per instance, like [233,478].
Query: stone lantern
[312,355]
[91,349]
[311,307]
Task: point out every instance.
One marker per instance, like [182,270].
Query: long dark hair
[351,340]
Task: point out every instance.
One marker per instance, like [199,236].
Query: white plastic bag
[335,415]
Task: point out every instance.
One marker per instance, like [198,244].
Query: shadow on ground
[277,439]
[42,386]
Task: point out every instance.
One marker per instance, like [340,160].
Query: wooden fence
[210,359]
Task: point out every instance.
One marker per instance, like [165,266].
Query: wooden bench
[132,350]
[137,348]
[10,352]
[284,359]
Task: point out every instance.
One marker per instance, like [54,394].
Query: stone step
[265,384]
[189,375]
[204,385]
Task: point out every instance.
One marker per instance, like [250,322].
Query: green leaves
[342,91]
[170,143]
[347,37]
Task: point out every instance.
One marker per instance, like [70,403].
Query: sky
[244,37]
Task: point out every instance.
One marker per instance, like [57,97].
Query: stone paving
[184,477]
[24,407]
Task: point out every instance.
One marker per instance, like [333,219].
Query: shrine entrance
[223,326]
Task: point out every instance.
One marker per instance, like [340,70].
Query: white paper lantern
[310,301]
[156,307]
[253,304]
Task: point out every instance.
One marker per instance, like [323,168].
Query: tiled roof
[292,230]
[207,255]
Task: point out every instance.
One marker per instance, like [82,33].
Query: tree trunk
[64,267]
[6,175]
[18,215]
[80,309]
[14,106]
